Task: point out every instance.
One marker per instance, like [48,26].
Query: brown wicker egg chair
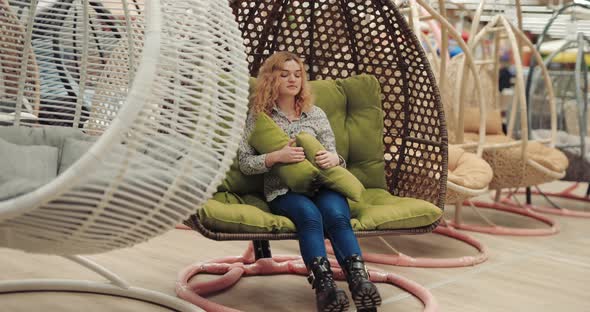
[363,37]
[337,40]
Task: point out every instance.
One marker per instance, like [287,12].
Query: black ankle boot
[329,298]
[364,293]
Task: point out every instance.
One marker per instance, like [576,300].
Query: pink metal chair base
[401,259]
[233,268]
[501,230]
[554,211]
[566,194]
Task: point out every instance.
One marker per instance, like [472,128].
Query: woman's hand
[326,160]
[288,154]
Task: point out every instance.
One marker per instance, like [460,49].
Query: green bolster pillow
[336,178]
[268,137]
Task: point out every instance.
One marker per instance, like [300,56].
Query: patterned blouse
[314,122]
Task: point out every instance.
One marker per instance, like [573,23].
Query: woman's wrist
[270,159]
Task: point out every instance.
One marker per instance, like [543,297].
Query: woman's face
[290,78]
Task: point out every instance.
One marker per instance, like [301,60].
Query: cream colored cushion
[468,170]
[550,158]
[493,121]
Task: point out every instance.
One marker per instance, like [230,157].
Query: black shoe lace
[357,272]
[358,275]
[325,282]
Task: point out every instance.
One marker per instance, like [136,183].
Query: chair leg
[529,200]
[261,249]
[458,210]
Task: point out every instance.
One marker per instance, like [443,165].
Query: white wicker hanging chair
[516,161]
[159,141]
[571,85]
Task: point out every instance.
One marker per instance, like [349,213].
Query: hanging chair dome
[346,38]
[147,104]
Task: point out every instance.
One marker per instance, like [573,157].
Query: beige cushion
[468,170]
[493,121]
[550,158]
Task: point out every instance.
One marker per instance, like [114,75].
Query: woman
[282,92]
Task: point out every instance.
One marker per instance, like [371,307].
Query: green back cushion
[335,178]
[268,137]
[364,124]
[330,97]
[353,107]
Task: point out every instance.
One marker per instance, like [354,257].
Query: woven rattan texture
[168,102]
[579,167]
[339,39]
[451,196]
[511,171]
[11,60]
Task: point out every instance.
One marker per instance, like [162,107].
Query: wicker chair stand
[151,158]
[340,40]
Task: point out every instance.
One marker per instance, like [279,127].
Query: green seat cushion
[230,213]
[242,218]
[336,178]
[379,210]
[268,137]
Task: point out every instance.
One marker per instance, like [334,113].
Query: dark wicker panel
[338,39]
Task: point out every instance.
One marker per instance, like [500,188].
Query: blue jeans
[327,210]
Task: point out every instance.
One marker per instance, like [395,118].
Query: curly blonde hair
[267,85]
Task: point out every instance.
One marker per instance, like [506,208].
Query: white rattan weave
[163,85]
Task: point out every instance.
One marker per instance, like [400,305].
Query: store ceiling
[535,14]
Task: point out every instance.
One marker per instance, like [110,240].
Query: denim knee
[308,217]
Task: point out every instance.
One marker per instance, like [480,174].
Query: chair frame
[568,192]
[61,191]
[392,179]
[400,179]
[516,38]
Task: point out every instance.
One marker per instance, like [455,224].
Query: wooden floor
[522,273]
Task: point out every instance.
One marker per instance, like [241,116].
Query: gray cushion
[52,136]
[25,168]
[73,149]
[46,135]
